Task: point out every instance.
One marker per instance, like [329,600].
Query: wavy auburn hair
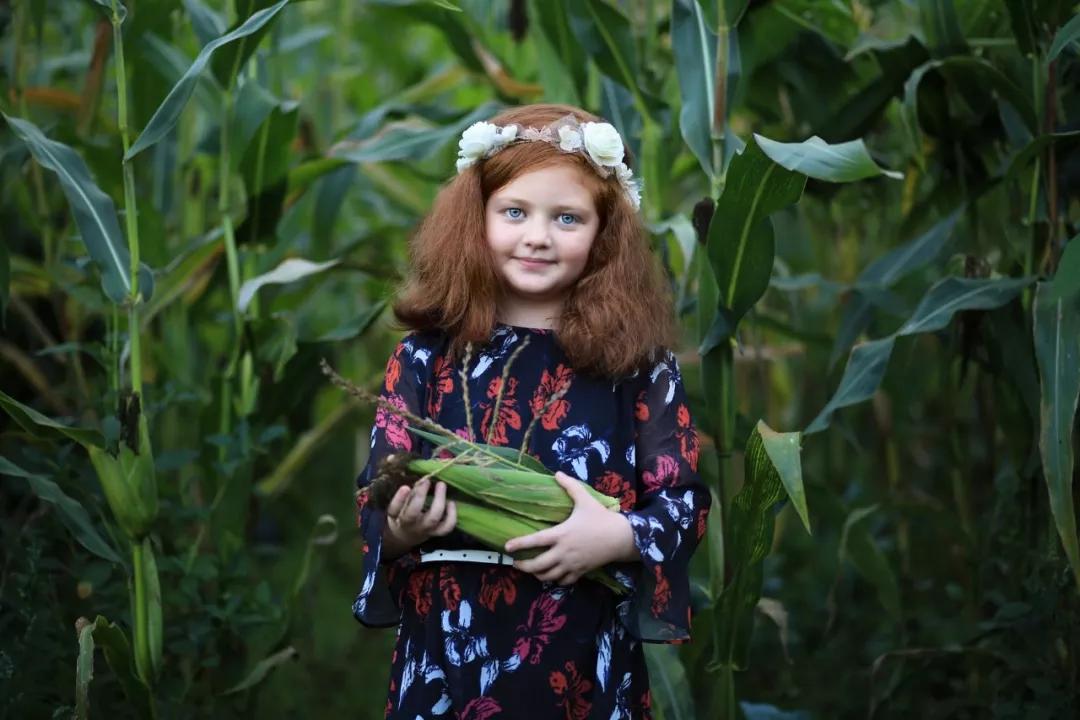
[617,315]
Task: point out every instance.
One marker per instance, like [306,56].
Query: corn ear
[493,528]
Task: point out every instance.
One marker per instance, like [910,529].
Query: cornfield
[868,211]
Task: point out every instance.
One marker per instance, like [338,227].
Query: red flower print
[646,700]
[508,415]
[641,408]
[549,385]
[667,469]
[570,688]
[393,370]
[688,439]
[450,589]
[393,425]
[613,484]
[479,708]
[534,635]
[419,591]
[662,592]
[701,522]
[442,383]
[493,584]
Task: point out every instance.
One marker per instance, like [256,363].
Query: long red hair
[619,311]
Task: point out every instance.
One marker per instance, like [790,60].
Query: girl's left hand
[590,538]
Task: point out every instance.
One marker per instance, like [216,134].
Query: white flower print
[493,667]
[622,707]
[361,600]
[503,341]
[671,365]
[653,529]
[462,645]
[631,455]
[603,658]
[679,509]
[574,446]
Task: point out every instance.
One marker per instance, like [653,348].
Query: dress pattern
[477,641]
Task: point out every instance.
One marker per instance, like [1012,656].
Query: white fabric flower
[603,143]
[477,140]
[569,139]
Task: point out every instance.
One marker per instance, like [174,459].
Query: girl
[534,257]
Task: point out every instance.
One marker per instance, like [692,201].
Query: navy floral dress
[479,641]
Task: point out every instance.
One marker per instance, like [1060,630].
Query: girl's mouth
[535,263]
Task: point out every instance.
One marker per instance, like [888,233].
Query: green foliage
[275,212]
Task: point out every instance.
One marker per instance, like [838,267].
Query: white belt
[477,556]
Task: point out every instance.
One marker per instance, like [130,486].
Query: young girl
[534,255]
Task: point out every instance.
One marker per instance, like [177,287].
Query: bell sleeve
[668,519]
[378,604]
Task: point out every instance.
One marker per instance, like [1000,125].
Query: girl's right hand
[407,519]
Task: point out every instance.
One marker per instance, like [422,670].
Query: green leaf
[971,71]
[5,283]
[408,140]
[953,294]
[290,270]
[41,426]
[858,546]
[1034,148]
[167,114]
[72,513]
[741,245]
[1057,349]
[668,682]
[154,627]
[227,64]
[106,7]
[1065,36]
[1023,25]
[84,672]
[1067,278]
[783,452]
[843,162]
[93,210]
[114,644]
[206,23]
[507,456]
[556,44]
[941,27]
[129,483]
[867,363]
[262,669]
[607,37]
[749,536]
[694,46]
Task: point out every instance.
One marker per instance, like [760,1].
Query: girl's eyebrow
[526,203]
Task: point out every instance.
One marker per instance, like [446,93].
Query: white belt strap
[476,556]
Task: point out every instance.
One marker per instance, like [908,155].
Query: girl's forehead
[551,182]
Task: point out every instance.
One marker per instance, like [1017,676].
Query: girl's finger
[434,514]
[414,508]
[397,503]
[542,563]
[449,522]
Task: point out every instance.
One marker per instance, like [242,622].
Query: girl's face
[540,227]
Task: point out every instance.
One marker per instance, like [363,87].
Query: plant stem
[144,663]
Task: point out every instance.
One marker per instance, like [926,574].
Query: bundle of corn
[500,492]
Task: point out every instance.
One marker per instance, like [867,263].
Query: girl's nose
[536,234]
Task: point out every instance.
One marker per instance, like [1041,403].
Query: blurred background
[868,212]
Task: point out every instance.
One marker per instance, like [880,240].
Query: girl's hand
[590,538]
[407,519]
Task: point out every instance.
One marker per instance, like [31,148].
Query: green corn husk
[533,495]
[493,528]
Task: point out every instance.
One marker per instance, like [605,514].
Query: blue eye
[563,219]
[514,213]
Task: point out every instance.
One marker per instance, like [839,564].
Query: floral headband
[598,142]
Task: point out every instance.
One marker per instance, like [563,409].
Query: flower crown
[598,142]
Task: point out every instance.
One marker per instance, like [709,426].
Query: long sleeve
[668,519]
[378,603]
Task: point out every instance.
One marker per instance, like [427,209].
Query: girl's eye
[567,219]
[514,213]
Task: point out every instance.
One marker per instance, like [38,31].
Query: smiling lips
[532,263]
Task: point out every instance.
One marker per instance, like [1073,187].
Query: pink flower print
[394,426]
[667,470]
[479,708]
[535,634]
